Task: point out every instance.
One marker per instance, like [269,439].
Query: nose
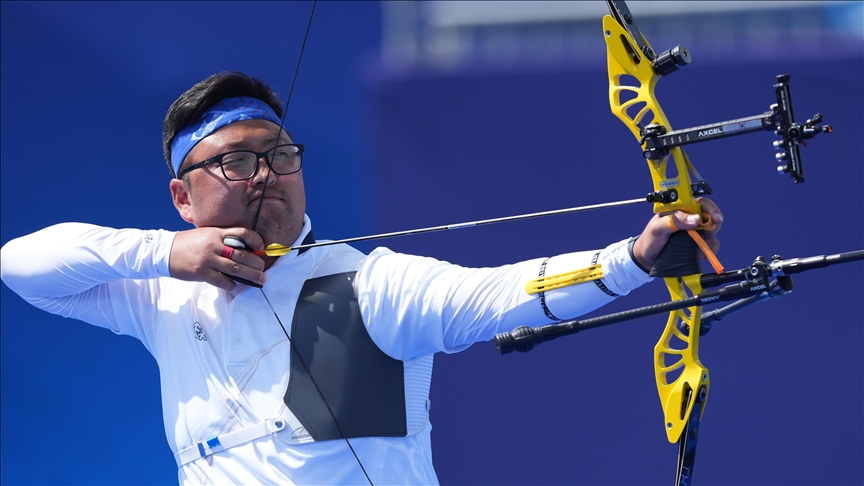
[263,175]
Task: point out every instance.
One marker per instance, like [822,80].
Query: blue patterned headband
[224,113]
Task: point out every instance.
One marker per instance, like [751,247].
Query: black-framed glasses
[241,165]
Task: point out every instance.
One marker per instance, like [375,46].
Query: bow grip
[680,256]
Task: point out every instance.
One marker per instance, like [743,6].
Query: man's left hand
[657,232]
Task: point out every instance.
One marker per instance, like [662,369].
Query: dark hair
[207,93]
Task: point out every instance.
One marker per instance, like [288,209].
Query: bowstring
[255,224]
[285,111]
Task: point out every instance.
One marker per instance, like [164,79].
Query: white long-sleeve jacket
[223,358]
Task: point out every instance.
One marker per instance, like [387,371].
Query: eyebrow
[244,144]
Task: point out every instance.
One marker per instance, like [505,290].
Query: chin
[279,234]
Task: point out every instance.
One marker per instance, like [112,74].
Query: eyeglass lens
[284,159]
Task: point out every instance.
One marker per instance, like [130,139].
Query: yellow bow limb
[676,359]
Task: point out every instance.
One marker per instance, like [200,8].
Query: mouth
[267,197]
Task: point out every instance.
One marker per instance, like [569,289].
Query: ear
[182,200]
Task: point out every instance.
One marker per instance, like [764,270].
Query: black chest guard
[364,388]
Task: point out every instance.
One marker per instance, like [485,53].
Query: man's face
[212,200]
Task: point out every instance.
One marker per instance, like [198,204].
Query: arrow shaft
[468,224]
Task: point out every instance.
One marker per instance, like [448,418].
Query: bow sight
[779,119]
[657,140]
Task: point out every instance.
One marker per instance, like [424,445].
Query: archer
[324,370]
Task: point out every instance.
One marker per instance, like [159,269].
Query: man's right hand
[196,255]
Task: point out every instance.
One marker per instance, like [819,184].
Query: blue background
[85,87]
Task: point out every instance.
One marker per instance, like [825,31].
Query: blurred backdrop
[424,113]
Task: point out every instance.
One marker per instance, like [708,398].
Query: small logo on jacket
[300,433]
[199,332]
